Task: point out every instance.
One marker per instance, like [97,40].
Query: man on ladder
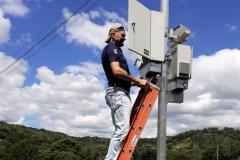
[119,84]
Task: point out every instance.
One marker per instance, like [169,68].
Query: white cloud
[14,77]
[10,82]
[5,26]
[10,7]
[230,27]
[81,29]
[213,97]
[73,101]
[94,14]
[25,38]
[85,68]
[70,102]
[14,7]
[113,17]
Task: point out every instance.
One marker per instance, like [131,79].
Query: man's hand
[121,73]
[141,83]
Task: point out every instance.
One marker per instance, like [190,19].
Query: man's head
[117,35]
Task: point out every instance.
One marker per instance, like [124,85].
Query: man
[119,84]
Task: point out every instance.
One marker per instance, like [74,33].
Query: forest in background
[24,143]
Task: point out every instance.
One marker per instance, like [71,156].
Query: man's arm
[121,73]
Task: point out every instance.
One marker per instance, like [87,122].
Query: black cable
[50,41]
[44,37]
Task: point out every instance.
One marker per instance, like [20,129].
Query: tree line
[24,143]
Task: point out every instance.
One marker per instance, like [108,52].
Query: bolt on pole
[162,99]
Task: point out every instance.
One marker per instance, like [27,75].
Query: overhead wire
[48,41]
[46,36]
[55,37]
[42,39]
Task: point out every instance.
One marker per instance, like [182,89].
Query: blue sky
[60,85]
[210,22]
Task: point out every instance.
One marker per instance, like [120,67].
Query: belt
[120,89]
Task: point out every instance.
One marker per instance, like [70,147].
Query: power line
[51,40]
[45,37]
[39,34]
[53,37]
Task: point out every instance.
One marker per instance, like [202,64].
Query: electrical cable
[50,41]
[44,37]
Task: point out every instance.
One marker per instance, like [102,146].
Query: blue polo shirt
[113,53]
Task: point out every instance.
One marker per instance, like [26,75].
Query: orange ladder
[140,113]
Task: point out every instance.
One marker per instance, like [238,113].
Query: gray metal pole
[164,8]
[162,99]
[162,116]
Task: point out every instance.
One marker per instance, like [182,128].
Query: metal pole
[162,116]
[164,8]
[162,99]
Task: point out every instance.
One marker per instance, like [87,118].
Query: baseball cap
[112,29]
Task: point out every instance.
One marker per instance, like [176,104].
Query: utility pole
[162,99]
[171,68]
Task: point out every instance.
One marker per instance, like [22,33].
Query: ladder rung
[140,113]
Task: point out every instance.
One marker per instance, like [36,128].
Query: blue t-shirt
[112,53]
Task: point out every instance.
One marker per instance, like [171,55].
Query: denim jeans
[120,105]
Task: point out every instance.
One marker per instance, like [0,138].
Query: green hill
[24,143]
[204,145]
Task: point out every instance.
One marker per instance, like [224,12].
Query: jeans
[120,105]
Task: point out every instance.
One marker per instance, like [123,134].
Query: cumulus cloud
[5,26]
[10,82]
[212,99]
[14,8]
[82,29]
[25,38]
[14,77]
[73,101]
[85,68]
[230,27]
[113,17]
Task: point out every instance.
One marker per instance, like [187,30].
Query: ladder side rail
[138,101]
[139,121]
[136,107]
